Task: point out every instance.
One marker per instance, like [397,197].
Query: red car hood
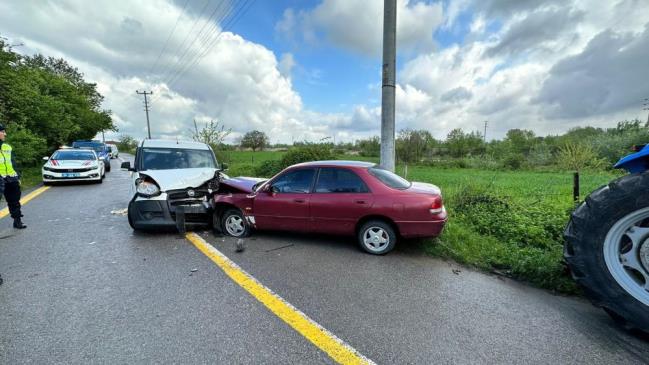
[424,188]
[242,183]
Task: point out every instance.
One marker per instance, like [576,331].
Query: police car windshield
[73,155]
[175,158]
[97,146]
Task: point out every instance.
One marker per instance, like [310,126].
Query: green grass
[30,177]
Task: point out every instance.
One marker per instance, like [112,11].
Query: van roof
[166,143]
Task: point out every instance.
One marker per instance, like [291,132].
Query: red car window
[336,180]
[295,181]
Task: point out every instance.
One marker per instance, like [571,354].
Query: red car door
[339,199]
[285,205]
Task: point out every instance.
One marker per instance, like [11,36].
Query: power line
[237,12]
[184,50]
[193,26]
[202,53]
[191,56]
[168,38]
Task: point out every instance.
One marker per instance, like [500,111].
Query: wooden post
[575,187]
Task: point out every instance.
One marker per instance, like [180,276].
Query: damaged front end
[181,201]
[235,193]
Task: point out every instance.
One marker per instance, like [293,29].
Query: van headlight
[147,188]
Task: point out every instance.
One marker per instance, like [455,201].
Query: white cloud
[237,82]
[357,25]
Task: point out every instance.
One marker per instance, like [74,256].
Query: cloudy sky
[310,69]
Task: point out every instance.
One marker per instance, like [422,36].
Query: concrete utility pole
[388,85]
[146,108]
[484,136]
[646,107]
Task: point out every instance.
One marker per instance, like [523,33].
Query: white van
[172,184]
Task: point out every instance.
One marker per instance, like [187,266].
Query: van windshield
[175,158]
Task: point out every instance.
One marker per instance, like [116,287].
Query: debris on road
[240,246]
[92,243]
[279,248]
[456,271]
[120,211]
[194,270]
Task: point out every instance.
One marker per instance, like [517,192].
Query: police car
[73,165]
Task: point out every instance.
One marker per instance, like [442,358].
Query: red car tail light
[437,206]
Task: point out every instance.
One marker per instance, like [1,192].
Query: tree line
[45,103]
[580,147]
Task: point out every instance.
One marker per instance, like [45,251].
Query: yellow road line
[5,212]
[326,341]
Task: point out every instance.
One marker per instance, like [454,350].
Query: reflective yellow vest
[6,167]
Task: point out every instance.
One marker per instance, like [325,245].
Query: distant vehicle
[172,184]
[73,165]
[333,197]
[103,151]
[114,152]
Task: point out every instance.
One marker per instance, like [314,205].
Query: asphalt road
[80,286]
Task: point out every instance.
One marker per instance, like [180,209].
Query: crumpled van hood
[180,178]
[243,183]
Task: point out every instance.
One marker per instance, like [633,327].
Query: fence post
[575,187]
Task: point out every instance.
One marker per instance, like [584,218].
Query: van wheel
[234,224]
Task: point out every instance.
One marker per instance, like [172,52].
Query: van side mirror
[126,165]
[224,166]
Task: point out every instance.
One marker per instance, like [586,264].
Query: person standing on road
[10,180]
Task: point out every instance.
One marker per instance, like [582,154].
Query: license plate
[68,174]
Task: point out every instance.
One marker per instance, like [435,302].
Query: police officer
[10,180]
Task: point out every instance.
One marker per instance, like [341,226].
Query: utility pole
[484,136]
[146,108]
[388,84]
[646,107]
[103,139]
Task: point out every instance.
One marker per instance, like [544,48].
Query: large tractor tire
[607,249]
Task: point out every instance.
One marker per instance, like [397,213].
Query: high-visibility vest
[6,167]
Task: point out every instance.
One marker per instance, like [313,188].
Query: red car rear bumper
[431,228]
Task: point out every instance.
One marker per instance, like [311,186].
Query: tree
[47,100]
[213,134]
[126,143]
[461,144]
[257,140]
[413,145]
[370,147]
[578,156]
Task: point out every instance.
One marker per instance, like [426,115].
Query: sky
[310,70]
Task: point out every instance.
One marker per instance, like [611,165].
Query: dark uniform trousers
[12,193]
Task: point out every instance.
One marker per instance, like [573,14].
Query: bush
[537,226]
[28,147]
[295,155]
[269,168]
[307,152]
[514,161]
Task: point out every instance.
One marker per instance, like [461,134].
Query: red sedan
[333,197]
